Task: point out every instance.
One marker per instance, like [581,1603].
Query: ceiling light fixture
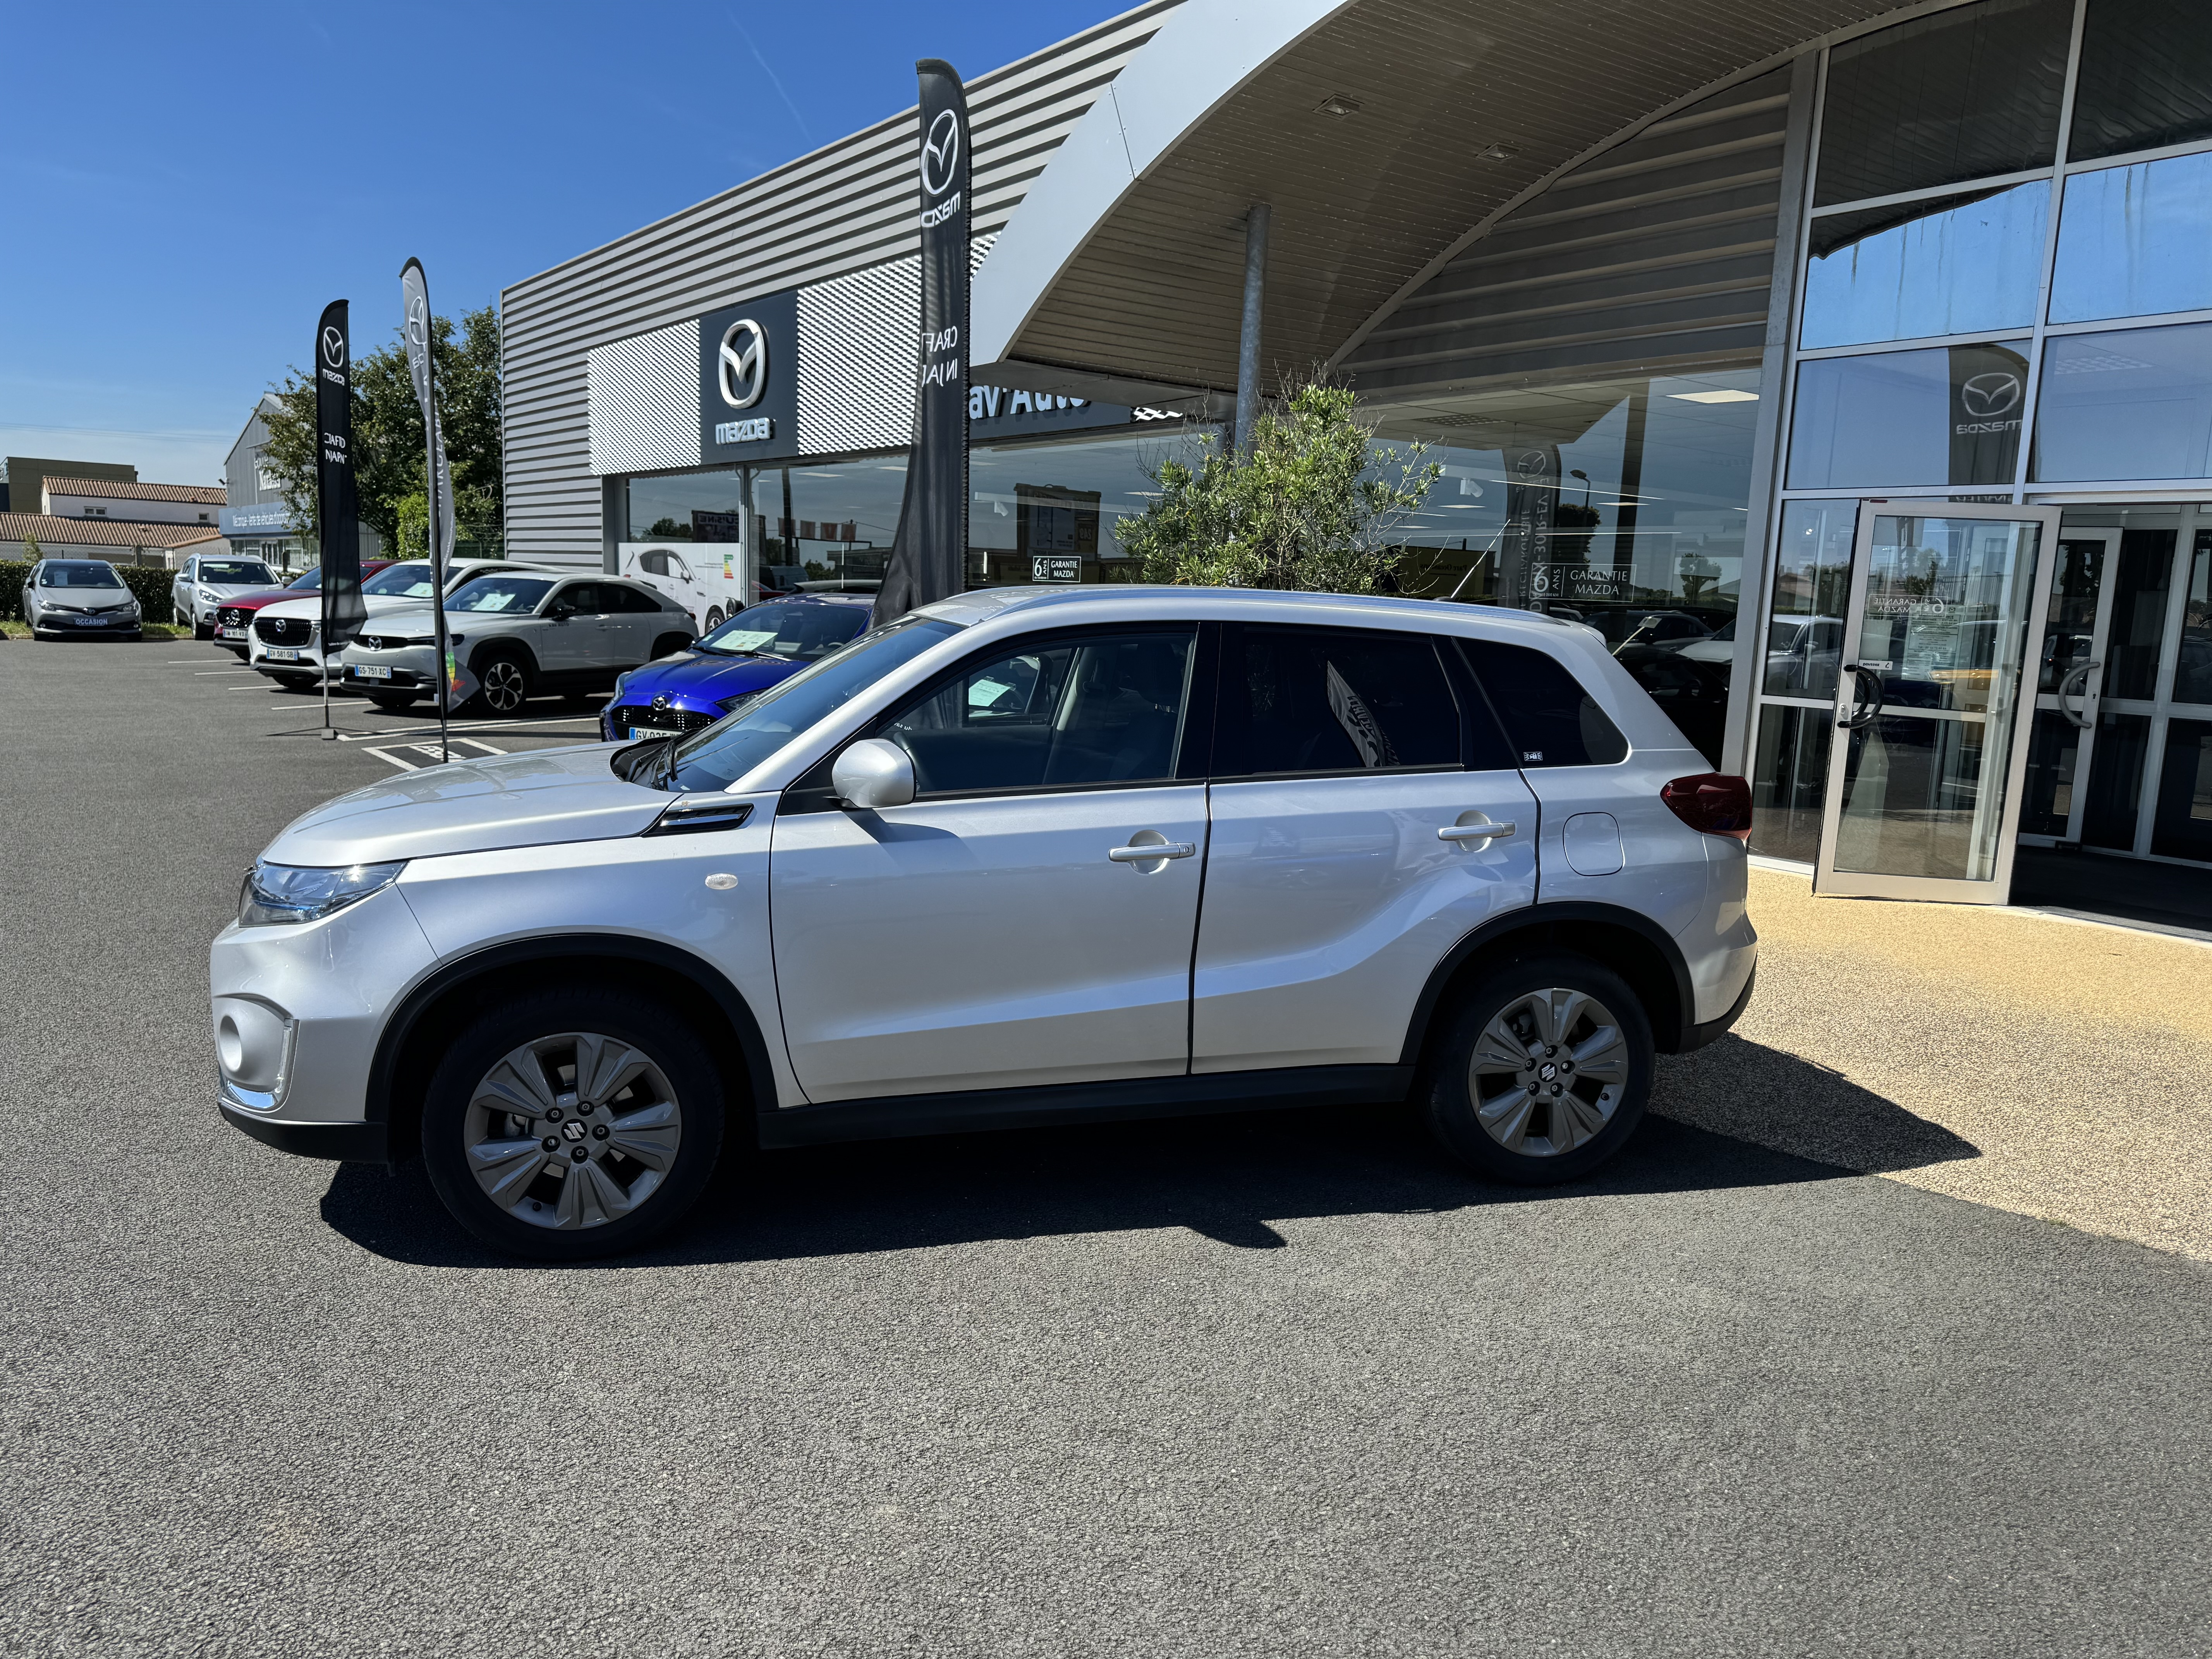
[1337,104]
[1714,397]
[1500,153]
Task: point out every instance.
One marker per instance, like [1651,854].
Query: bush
[12,572]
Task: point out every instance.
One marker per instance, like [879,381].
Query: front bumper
[348,1143]
[64,627]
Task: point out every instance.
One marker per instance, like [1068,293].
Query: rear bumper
[350,1143]
[1697,1036]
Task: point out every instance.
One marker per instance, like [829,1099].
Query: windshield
[405,581]
[795,631]
[77,573]
[718,756]
[517,595]
[235,572]
[313,580]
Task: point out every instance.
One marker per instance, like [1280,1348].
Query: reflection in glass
[2115,772]
[2132,404]
[1946,416]
[687,507]
[1788,778]
[2054,750]
[2138,620]
[1919,800]
[2134,241]
[1812,585]
[1945,617]
[1066,498]
[2067,634]
[1962,95]
[1953,266]
[2192,666]
[2146,78]
[2181,827]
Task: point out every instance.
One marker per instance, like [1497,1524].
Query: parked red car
[232,620]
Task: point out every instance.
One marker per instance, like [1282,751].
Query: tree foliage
[391,469]
[1310,506]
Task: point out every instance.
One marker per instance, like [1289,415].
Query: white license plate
[91,621]
[359,673]
[232,633]
[282,654]
[641,732]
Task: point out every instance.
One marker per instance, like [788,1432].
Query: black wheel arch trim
[346,1143]
[504,645]
[393,1041]
[1529,918]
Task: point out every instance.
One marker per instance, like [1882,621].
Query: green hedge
[149,585]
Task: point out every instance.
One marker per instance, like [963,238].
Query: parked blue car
[744,657]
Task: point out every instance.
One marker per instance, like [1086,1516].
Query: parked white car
[707,578]
[948,877]
[520,634]
[286,637]
[206,582]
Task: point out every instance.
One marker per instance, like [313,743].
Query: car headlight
[731,705]
[277,894]
[208,596]
[621,680]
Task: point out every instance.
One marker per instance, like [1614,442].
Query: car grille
[626,718]
[283,630]
[389,642]
[231,616]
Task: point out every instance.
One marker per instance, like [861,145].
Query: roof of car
[980,605]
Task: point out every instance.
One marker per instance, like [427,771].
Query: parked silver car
[520,634]
[77,599]
[286,638]
[1447,853]
[206,582]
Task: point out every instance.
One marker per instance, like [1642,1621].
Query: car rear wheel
[714,618]
[505,684]
[1542,1073]
[572,1123]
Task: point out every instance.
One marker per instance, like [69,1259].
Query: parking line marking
[387,755]
[478,742]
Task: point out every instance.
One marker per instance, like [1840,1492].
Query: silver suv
[1025,856]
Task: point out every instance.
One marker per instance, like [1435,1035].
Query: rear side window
[636,600]
[1551,719]
[1301,700]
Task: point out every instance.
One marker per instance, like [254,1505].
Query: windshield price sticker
[1055,569]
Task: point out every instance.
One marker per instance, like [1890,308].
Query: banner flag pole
[929,553]
[423,368]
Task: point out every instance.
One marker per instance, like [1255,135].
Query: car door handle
[1158,849]
[1465,832]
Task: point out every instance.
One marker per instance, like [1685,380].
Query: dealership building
[1848,365]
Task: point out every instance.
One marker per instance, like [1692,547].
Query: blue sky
[191,183]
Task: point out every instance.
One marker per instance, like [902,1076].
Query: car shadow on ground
[1222,1176]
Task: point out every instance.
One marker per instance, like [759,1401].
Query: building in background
[1847,366]
[27,478]
[129,502]
[256,520]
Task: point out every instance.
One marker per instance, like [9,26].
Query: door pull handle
[1467,832]
[1158,849]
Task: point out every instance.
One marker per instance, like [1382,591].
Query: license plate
[370,673]
[641,732]
[232,633]
[92,621]
[282,654]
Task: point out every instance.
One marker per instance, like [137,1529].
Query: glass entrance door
[1933,704]
[2069,685]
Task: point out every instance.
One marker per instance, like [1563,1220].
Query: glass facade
[1952,341]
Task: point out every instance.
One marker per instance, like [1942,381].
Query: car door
[567,639]
[180,590]
[1365,816]
[1028,919]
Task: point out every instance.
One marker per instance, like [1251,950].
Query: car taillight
[1712,803]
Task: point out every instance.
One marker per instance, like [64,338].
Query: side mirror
[873,774]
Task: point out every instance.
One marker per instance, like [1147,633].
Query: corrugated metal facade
[1657,253]
[843,209]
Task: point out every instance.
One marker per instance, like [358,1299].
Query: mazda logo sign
[1989,395]
[333,347]
[1533,463]
[743,371]
[941,153]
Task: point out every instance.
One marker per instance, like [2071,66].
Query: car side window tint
[578,598]
[1065,713]
[1303,700]
[1551,719]
[653,564]
[633,599]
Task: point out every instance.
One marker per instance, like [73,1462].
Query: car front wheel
[505,686]
[572,1123]
[1543,1071]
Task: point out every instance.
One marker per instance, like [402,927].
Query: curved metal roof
[1383,134]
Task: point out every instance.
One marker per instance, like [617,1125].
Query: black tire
[392,702]
[1594,1113]
[203,633]
[714,618]
[669,644]
[450,1125]
[504,683]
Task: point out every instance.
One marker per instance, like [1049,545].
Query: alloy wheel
[571,1131]
[504,687]
[1548,1072]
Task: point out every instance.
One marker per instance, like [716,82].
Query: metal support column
[1247,342]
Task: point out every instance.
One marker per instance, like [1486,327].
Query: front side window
[1060,714]
[1551,719]
[78,573]
[1304,701]
[402,581]
[718,756]
[796,631]
[513,595]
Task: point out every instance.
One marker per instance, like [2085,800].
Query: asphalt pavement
[1272,1383]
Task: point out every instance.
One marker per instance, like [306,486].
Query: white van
[712,580]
